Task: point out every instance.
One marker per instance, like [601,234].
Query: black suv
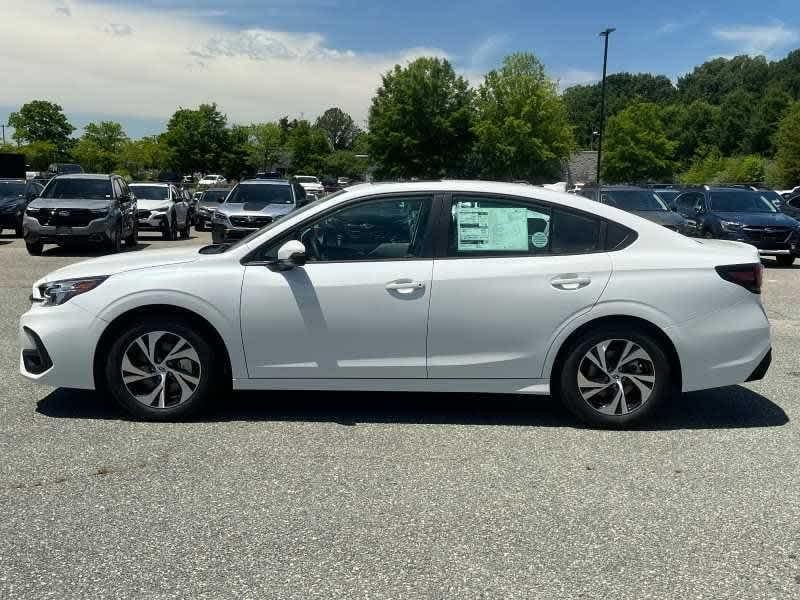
[741,215]
[82,208]
[642,202]
[15,194]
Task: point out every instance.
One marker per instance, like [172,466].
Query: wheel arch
[131,316]
[620,321]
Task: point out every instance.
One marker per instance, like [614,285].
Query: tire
[190,379]
[18,231]
[785,260]
[645,381]
[114,244]
[168,232]
[708,235]
[186,231]
[132,241]
[34,248]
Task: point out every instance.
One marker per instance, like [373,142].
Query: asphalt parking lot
[317,495]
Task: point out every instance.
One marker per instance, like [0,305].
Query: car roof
[86,176]
[266,181]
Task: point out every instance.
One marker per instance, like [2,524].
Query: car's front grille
[142,214]
[767,234]
[65,217]
[251,222]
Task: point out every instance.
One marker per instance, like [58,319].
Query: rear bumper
[762,368]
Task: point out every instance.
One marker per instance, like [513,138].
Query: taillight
[748,276]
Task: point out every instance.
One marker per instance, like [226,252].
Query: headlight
[55,293]
[730,226]
[221,217]
[31,210]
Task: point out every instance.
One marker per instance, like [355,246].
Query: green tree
[265,146]
[764,120]
[521,128]
[40,154]
[235,158]
[637,148]
[197,139]
[420,121]
[100,147]
[787,140]
[308,149]
[42,121]
[694,128]
[143,158]
[715,79]
[622,90]
[736,113]
[339,127]
[343,163]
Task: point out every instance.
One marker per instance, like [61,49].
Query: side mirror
[292,254]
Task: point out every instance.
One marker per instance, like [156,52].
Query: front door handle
[570,282]
[405,285]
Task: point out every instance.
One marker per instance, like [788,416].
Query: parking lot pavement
[317,495]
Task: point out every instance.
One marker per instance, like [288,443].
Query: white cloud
[572,77]
[758,39]
[122,62]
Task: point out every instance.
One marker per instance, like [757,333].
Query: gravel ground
[319,495]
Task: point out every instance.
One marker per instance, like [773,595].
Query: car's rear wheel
[169,229]
[34,248]
[133,237]
[186,231]
[615,377]
[785,260]
[161,369]
[114,242]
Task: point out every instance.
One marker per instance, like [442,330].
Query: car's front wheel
[615,377]
[161,369]
[785,260]
[34,248]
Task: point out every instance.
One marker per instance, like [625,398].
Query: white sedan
[211,180]
[451,286]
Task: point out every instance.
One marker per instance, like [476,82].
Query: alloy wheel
[161,369]
[616,377]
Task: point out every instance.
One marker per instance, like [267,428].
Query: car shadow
[80,251]
[725,408]
[773,264]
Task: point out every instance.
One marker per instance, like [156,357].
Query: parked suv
[253,204]
[15,194]
[81,208]
[743,215]
[644,203]
[207,205]
[162,207]
[311,184]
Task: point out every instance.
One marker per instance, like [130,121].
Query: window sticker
[491,228]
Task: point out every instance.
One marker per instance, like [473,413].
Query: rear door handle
[405,285]
[570,282]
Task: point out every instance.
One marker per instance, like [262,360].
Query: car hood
[120,263]
[210,204]
[151,204]
[662,217]
[272,210]
[758,219]
[69,203]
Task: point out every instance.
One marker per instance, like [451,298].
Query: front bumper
[787,246]
[10,219]
[221,234]
[57,345]
[150,221]
[98,230]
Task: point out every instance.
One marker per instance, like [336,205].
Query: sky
[136,61]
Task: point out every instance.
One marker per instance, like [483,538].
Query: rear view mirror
[292,254]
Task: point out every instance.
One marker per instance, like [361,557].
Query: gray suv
[253,204]
[81,208]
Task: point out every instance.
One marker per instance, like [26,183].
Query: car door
[180,206]
[513,272]
[359,306]
[685,206]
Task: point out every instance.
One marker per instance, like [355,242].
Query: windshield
[633,200]
[293,214]
[263,194]
[11,188]
[306,179]
[90,189]
[741,202]
[668,195]
[773,197]
[150,192]
[214,196]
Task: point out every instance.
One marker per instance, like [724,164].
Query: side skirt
[539,387]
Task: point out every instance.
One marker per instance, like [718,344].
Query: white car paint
[212,180]
[477,324]
[310,184]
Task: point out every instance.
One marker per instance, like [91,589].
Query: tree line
[729,120]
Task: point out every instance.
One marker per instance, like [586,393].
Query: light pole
[366,169]
[603,34]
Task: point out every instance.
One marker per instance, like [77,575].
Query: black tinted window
[260,194]
[150,192]
[617,236]
[214,196]
[376,230]
[9,189]
[741,202]
[574,234]
[91,189]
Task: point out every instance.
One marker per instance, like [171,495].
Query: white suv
[451,286]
